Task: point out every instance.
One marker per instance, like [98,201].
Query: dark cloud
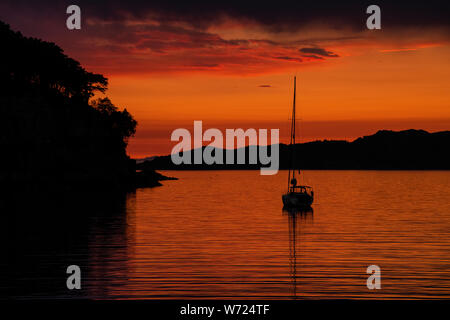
[282,15]
[289,58]
[319,52]
[279,16]
[265,86]
[312,56]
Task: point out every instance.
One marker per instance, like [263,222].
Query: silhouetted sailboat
[297,195]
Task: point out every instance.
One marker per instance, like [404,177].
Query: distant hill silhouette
[51,134]
[385,150]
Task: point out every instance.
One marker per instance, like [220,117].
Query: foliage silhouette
[52,132]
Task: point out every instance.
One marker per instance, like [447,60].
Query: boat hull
[297,199]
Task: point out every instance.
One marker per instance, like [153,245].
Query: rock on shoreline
[150,178]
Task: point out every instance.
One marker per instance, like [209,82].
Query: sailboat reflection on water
[296,217]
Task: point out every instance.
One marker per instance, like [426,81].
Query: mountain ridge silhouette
[385,150]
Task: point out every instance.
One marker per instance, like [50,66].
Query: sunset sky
[232,63]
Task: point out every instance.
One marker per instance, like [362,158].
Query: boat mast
[292,140]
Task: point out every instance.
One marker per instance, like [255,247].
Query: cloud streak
[319,52]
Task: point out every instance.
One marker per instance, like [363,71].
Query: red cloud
[150,48]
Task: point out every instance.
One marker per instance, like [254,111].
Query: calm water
[224,234]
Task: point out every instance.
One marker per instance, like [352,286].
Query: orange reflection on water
[222,234]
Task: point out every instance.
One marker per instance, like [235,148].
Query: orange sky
[231,68]
[362,91]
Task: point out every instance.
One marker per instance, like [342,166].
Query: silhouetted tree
[49,132]
[35,67]
[121,122]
